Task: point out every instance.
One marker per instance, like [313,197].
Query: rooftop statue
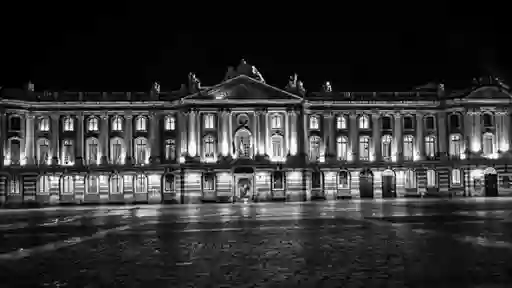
[249,70]
[292,82]
[156,87]
[193,83]
[327,87]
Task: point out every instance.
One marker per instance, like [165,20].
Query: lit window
[364,148]
[410,179]
[408,147]
[277,146]
[68,185]
[140,184]
[170,149]
[431,178]
[43,150]
[277,180]
[116,184]
[141,123]
[342,148]
[430,146]
[117,124]
[208,181]
[140,150]
[209,121]
[92,124]
[67,152]
[170,123]
[343,180]
[44,124]
[116,150]
[209,147]
[314,148]
[170,183]
[341,122]
[92,151]
[455,145]
[364,122]
[93,184]
[386,147]
[314,122]
[456,177]
[69,124]
[276,122]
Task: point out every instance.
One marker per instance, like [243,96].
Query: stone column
[301,133]
[104,139]
[192,150]
[398,137]
[255,133]
[332,137]
[326,135]
[154,138]
[199,138]
[230,132]
[3,136]
[420,137]
[286,138]
[354,137]
[508,123]
[220,131]
[442,135]
[305,134]
[182,142]
[29,139]
[55,128]
[267,133]
[129,139]
[294,139]
[226,144]
[263,132]
[376,137]
[79,145]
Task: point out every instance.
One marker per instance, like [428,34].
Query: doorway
[366,183]
[243,187]
[388,184]
[490,182]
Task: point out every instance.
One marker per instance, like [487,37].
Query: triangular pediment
[489,93]
[242,89]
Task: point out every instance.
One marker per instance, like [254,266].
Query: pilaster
[376,136]
[129,139]
[29,139]
[420,137]
[256,134]
[398,137]
[104,138]
[79,146]
[55,128]
[154,139]
[192,150]
[354,139]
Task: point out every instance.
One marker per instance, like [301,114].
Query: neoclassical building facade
[245,138]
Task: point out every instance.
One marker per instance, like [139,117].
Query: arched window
[487,120]
[488,144]
[430,146]
[69,123]
[43,150]
[67,152]
[116,184]
[431,178]
[454,121]
[277,147]
[341,122]
[140,183]
[140,152]
[343,180]
[410,179]
[92,124]
[68,184]
[92,152]
[170,149]
[408,147]
[117,123]
[209,146]
[455,145]
[364,148]
[169,185]
[314,147]
[116,150]
[44,124]
[456,177]
[314,122]
[386,147]
[170,123]
[141,123]
[364,122]
[342,147]
[15,123]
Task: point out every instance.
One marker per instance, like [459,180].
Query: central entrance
[366,183]
[243,187]
[388,184]
[491,182]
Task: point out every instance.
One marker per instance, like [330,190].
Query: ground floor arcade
[196,186]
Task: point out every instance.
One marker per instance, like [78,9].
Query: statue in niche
[231,73]
[327,87]
[193,82]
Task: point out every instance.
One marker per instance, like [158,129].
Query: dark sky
[126,47]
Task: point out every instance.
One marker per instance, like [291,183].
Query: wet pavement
[399,243]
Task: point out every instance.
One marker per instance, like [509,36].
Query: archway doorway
[490,182]
[244,183]
[388,184]
[366,183]
[243,143]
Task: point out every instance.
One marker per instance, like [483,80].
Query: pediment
[489,93]
[242,89]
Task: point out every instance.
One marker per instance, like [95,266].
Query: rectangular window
[276,147]
[431,179]
[276,122]
[208,181]
[456,177]
[364,148]
[209,121]
[341,122]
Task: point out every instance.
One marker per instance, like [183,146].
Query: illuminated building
[245,136]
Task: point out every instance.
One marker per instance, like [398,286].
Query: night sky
[127,47]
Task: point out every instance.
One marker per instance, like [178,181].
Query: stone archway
[366,183]
[490,182]
[388,184]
